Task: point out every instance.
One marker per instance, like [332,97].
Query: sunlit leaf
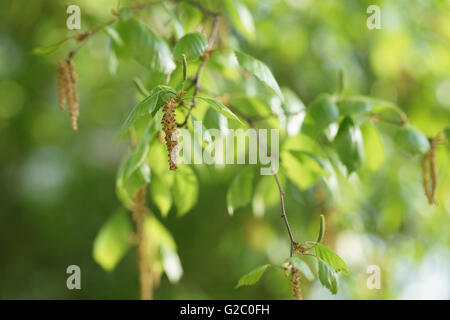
[144,45]
[259,70]
[113,240]
[302,168]
[241,17]
[331,258]
[185,189]
[302,266]
[412,140]
[353,105]
[373,146]
[253,276]
[219,107]
[160,195]
[240,192]
[193,45]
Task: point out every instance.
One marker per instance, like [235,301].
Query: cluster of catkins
[170,129]
[67,89]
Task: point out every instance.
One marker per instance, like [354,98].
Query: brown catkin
[67,89]
[170,129]
[295,280]
[144,259]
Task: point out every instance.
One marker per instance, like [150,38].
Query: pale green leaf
[302,168]
[185,189]
[241,17]
[259,70]
[412,140]
[373,146]
[302,266]
[219,107]
[113,240]
[253,276]
[331,258]
[144,45]
[240,192]
[160,195]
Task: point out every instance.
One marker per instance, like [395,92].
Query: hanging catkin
[429,170]
[295,281]
[67,90]
[170,129]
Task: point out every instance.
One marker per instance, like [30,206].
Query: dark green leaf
[320,114]
[148,106]
[193,45]
[259,70]
[253,276]
[349,144]
[328,277]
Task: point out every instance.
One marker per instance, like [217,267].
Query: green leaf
[240,192]
[185,189]
[42,51]
[253,276]
[113,240]
[129,181]
[157,232]
[139,154]
[349,145]
[320,114]
[148,106]
[354,105]
[219,107]
[447,133]
[373,146]
[302,168]
[412,140]
[160,195]
[331,258]
[241,18]
[259,70]
[193,45]
[144,45]
[302,267]
[328,277]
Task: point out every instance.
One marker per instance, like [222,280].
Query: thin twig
[250,122]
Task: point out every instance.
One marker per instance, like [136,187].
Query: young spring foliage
[190,75]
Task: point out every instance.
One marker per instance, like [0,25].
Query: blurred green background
[57,187]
